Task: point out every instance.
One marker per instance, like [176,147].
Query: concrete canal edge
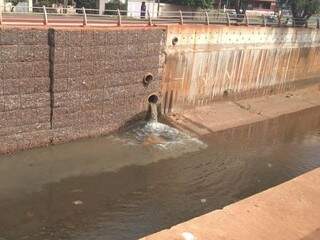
[289,211]
[224,115]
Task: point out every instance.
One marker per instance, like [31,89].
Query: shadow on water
[126,186]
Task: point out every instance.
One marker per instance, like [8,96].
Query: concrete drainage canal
[148,178]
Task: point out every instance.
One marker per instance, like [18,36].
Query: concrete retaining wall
[57,85]
[214,62]
[97,79]
[24,89]
[62,84]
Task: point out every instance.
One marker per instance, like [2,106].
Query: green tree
[35,3]
[115,5]
[91,4]
[47,3]
[241,6]
[197,3]
[304,9]
[205,4]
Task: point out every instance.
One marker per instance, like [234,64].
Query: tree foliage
[47,3]
[241,6]
[197,3]
[90,4]
[205,4]
[114,5]
[304,8]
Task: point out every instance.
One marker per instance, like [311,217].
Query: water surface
[148,178]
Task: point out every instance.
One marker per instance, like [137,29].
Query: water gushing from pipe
[153,112]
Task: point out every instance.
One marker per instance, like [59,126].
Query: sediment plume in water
[164,140]
[162,137]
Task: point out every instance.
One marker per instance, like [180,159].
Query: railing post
[119,17]
[264,21]
[45,16]
[228,19]
[247,19]
[149,18]
[306,24]
[207,17]
[279,21]
[1,14]
[85,20]
[181,17]
[293,22]
[318,23]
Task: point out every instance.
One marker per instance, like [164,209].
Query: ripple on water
[162,137]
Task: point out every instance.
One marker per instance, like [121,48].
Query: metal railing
[91,17]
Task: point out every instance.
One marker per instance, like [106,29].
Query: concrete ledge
[289,211]
[223,115]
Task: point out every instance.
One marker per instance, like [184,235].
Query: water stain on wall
[213,62]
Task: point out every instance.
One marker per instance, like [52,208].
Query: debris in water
[77,191]
[188,236]
[269,165]
[203,200]
[77,202]
[29,214]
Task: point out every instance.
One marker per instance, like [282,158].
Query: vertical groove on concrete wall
[51,71]
[219,63]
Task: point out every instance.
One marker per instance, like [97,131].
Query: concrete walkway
[224,115]
[289,211]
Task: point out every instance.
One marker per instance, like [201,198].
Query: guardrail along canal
[148,178]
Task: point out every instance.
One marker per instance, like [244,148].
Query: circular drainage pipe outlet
[147,79]
[175,41]
[153,98]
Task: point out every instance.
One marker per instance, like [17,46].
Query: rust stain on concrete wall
[212,62]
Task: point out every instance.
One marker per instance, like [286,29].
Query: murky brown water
[117,188]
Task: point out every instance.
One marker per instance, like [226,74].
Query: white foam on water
[163,137]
